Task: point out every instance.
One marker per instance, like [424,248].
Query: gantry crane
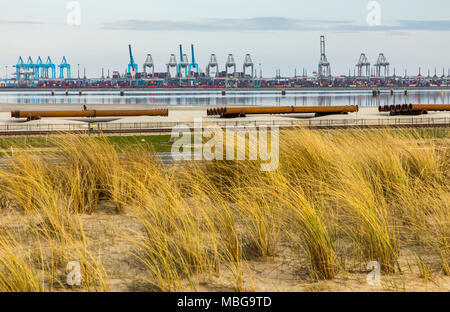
[66,66]
[248,63]
[184,63]
[324,65]
[31,67]
[49,65]
[132,67]
[193,63]
[212,64]
[382,63]
[20,68]
[149,64]
[230,63]
[363,64]
[172,63]
[39,68]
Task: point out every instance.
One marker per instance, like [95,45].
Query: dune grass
[353,195]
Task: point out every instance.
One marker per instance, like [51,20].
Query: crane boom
[193,64]
[132,67]
[193,56]
[131,56]
[181,53]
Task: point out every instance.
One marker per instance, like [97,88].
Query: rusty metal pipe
[88,113]
[326,109]
[417,109]
[256,110]
[384,108]
[430,107]
[237,111]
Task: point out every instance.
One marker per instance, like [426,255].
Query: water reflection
[244,98]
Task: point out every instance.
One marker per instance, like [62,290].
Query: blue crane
[49,65]
[19,67]
[31,66]
[184,63]
[62,66]
[132,67]
[39,68]
[193,64]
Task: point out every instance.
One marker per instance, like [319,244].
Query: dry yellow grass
[338,200]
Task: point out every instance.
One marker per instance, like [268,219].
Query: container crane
[24,71]
[66,66]
[248,63]
[39,68]
[49,65]
[132,67]
[20,67]
[149,64]
[363,65]
[212,64]
[172,64]
[30,66]
[193,63]
[184,63]
[230,63]
[324,65]
[382,63]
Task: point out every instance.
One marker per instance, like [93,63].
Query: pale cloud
[225,24]
[272,24]
[21,22]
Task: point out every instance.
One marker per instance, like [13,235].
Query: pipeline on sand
[92,113]
[231,112]
[413,109]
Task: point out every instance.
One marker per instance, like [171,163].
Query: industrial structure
[363,65]
[171,64]
[324,65]
[132,66]
[212,64]
[187,73]
[39,70]
[230,64]
[248,63]
[193,64]
[149,64]
[64,66]
[382,66]
[184,64]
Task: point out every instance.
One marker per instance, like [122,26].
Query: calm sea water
[255,98]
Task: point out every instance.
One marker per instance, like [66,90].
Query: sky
[281,34]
